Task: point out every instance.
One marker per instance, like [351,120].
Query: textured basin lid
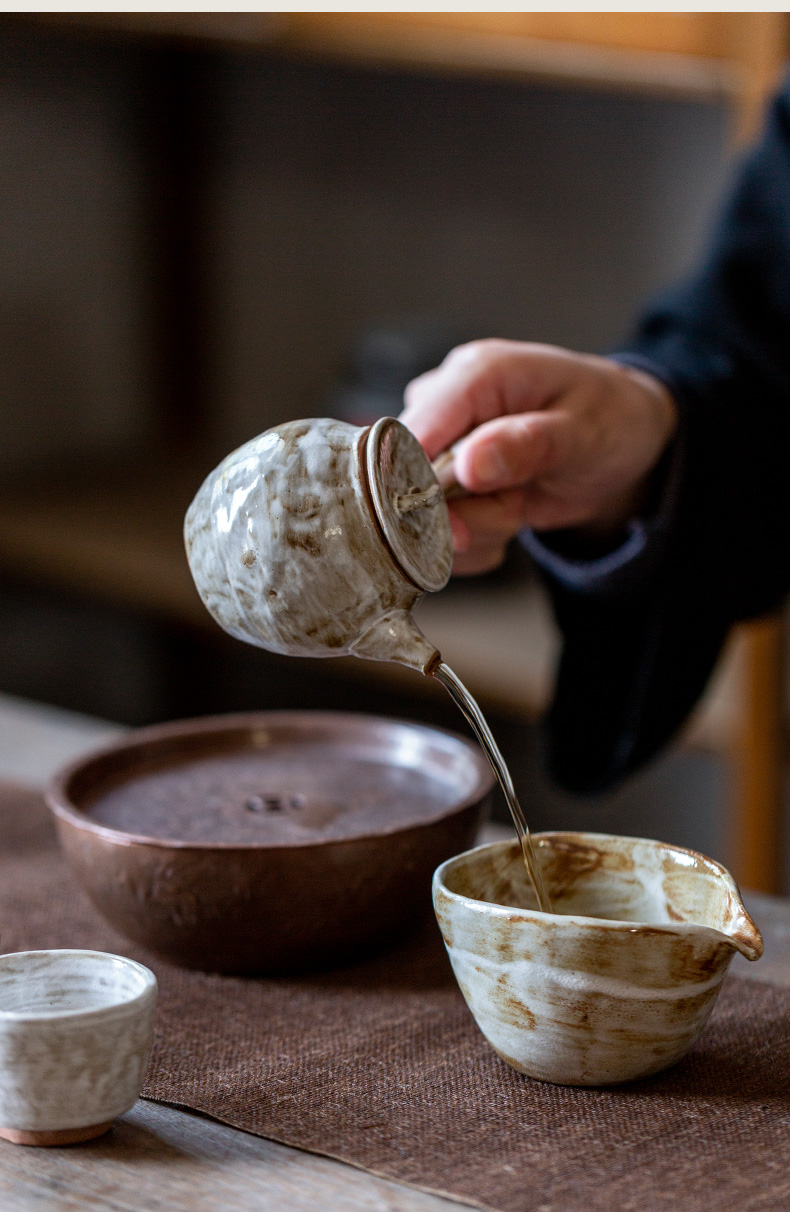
[420,539]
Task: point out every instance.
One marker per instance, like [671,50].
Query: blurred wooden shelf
[686,53]
[113,535]
[730,55]
[108,533]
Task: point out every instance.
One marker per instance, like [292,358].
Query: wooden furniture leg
[757,832]
[758,826]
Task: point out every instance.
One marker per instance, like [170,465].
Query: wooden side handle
[443,470]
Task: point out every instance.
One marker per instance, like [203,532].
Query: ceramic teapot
[317,537]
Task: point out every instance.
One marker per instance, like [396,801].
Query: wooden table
[158,1159]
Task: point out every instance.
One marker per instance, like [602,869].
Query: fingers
[462,535]
[479,561]
[484,535]
[499,515]
[511,452]
[482,528]
[480,381]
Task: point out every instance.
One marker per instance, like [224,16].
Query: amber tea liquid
[474,716]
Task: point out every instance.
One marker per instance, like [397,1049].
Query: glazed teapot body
[298,543]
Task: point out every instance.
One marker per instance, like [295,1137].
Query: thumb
[509,452]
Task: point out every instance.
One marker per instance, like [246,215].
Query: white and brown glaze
[294,547]
[619,981]
[75,1035]
[269,841]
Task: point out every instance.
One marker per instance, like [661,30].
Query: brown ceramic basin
[271,841]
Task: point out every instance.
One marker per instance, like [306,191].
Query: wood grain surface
[157,1159]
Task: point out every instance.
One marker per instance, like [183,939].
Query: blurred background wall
[345,198]
[331,199]
[74,373]
[198,235]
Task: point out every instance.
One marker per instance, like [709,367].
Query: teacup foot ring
[56,1136]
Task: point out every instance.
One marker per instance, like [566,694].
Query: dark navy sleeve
[644,622]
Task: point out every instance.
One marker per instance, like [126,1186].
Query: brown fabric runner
[381,1065]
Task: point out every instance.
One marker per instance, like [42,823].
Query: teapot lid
[420,539]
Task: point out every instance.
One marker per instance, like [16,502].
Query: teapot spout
[396,637]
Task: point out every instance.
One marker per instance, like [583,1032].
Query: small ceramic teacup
[619,981]
[75,1034]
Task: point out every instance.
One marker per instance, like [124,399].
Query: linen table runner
[382,1066]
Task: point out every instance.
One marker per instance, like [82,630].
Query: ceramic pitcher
[619,981]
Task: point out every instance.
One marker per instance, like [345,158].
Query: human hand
[551,439]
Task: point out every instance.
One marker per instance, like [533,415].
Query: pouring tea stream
[316,539]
